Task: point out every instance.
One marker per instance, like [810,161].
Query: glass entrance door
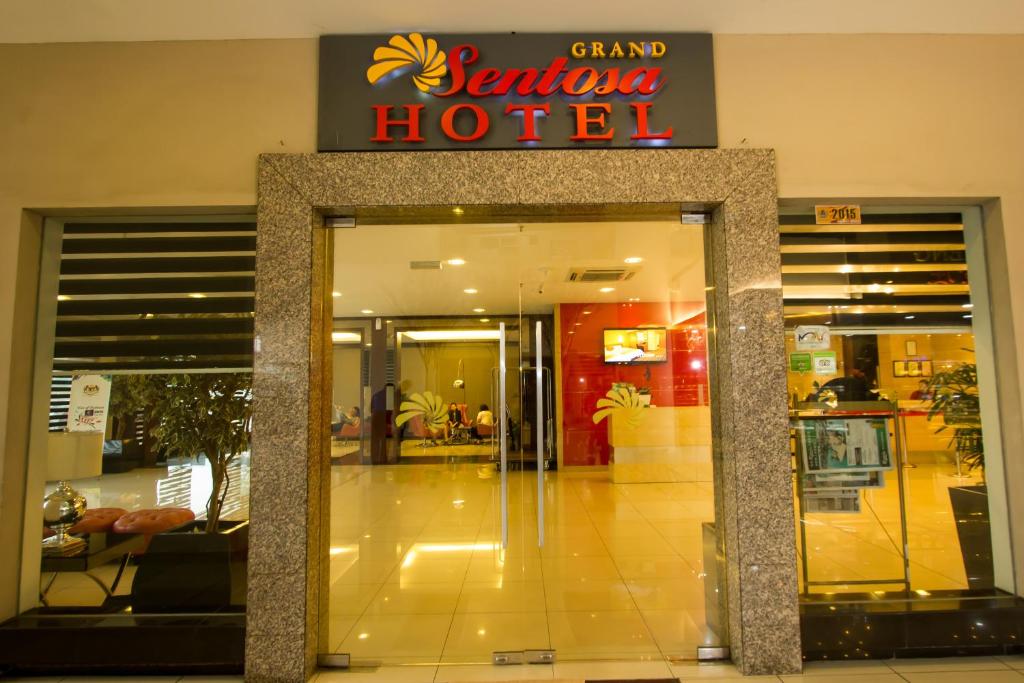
[484,518]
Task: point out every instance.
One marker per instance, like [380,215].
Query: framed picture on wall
[911,368]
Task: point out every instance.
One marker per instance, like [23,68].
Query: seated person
[483,418]
[454,420]
[340,419]
[921,393]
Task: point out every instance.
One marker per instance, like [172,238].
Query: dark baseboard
[37,643]
[943,624]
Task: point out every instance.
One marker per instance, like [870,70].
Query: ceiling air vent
[600,274]
[425,265]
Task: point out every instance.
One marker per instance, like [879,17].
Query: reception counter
[661,444]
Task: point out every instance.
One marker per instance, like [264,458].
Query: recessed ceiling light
[485,320]
[908,317]
[605,290]
[479,310]
[578,324]
[634,259]
[961,305]
[458,211]
[456,262]
[335,294]
[366,311]
[571,332]
[469,290]
[197,295]
[968,316]
[587,312]
[451,335]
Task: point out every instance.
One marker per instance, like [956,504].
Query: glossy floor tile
[426,540]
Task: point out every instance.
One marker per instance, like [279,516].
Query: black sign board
[413,91]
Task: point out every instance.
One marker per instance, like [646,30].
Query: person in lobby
[454,421]
[853,387]
[484,418]
[922,392]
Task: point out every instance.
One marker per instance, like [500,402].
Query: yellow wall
[180,125]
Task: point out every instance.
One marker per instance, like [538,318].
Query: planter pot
[970,510]
[188,570]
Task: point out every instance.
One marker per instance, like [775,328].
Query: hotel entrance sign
[515,91]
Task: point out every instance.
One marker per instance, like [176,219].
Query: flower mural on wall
[429,406]
[624,403]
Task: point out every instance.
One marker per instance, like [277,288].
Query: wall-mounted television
[636,345]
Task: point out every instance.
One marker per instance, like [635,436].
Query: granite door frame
[290,479]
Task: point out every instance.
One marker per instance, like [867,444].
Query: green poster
[800,362]
[825,363]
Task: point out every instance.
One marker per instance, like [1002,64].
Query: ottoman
[97,520]
[151,522]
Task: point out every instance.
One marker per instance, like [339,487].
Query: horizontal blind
[157,296]
[892,270]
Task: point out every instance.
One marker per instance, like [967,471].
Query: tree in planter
[955,397]
[208,414]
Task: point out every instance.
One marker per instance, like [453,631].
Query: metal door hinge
[338,660]
[507,658]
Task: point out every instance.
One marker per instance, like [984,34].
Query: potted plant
[200,565]
[954,398]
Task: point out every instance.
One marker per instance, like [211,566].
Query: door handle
[503,435]
[539,436]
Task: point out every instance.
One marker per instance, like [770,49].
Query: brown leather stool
[151,522]
[97,520]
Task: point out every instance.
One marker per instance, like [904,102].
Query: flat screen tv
[636,345]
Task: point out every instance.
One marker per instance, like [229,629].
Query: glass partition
[537,481]
[138,485]
[888,441]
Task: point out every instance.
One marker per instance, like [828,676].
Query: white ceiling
[41,21]
[371,267]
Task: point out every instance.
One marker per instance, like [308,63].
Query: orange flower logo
[401,52]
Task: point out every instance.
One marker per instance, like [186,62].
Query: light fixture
[63,297]
[345,337]
[696,364]
[587,312]
[578,324]
[335,294]
[485,320]
[605,290]
[961,305]
[366,311]
[479,310]
[908,317]
[450,335]
[470,290]
[968,316]
[197,295]
[458,211]
[634,259]
[456,262]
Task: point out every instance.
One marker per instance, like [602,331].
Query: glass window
[891,483]
[138,487]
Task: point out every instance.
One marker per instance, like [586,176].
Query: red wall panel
[680,381]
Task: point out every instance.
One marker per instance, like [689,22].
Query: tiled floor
[419,575]
[951,670]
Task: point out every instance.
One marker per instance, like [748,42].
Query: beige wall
[180,125]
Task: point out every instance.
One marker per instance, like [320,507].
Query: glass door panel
[486,514]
